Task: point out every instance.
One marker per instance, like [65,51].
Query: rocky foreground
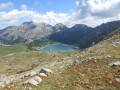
[34,78]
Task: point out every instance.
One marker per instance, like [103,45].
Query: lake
[58,47]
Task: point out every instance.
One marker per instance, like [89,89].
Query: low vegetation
[10,49]
[40,43]
[68,72]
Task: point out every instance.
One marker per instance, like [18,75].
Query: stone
[21,77]
[108,56]
[30,88]
[119,70]
[117,63]
[67,65]
[43,74]
[2,84]
[45,71]
[38,79]
[117,79]
[31,81]
[3,78]
[34,81]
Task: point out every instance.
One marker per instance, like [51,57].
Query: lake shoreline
[73,47]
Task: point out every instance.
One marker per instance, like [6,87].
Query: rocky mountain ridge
[83,36]
[80,34]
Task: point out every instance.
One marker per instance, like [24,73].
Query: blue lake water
[58,47]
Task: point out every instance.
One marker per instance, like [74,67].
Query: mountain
[71,35]
[82,35]
[95,68]
[114,33]
[59,27]
[27,31]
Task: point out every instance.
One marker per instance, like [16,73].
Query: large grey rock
[21,77]
[3,78]
[43,74]
[114,63]
[117,79]
[2,84]
[45,71]
[31,81]
[34,81]
[38,79]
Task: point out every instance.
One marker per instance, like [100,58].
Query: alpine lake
[58,47]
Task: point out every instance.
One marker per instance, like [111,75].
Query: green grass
[94,74]
[90,75]
[17,48]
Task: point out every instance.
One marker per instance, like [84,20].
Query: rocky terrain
[27,32]
[80,35]
[94,68]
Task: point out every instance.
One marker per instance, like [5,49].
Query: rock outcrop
[34,81]
[45,71]
[3,78]
[43,74]
[114,63]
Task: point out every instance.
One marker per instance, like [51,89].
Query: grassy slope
[17,48]
[93,74]
[40,43]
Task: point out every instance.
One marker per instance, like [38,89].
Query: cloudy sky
[68,12]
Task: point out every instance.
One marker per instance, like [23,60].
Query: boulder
[31,81]
[108,56]
[3,78]
[45,71]
[34,81]
[117,79]
[117,63]
[2,84]
[43,74]
[38,79]
[21,77]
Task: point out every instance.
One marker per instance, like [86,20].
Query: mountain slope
[27,31]
[82,35]
[72,70]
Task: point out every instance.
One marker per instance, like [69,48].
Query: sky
[68,12]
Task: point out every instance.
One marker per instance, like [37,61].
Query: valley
[79,69]
[59,44]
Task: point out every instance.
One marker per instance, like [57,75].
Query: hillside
[87,69]
[11,49]
[27,32]
[80,35]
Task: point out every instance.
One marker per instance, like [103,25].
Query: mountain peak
[59,25]
[80,25]
[26,22]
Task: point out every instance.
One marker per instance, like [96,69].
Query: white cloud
[5,5]
[23,7]
[95,12]
[77,3]
[49,17]
[89,12]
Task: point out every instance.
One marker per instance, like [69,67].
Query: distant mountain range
[28,31]
[79,34]
[82,35]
